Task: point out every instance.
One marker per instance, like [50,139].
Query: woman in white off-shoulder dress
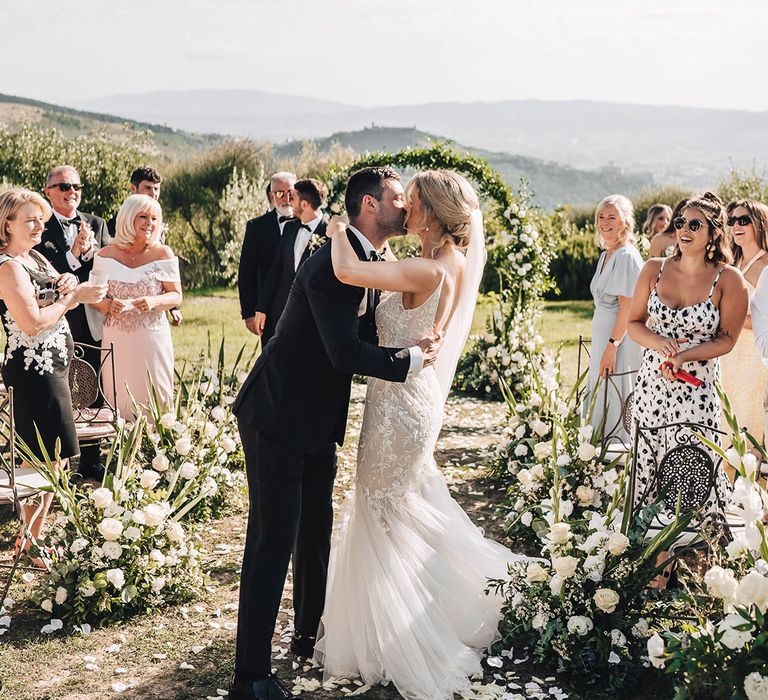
[406,599]
[144,282]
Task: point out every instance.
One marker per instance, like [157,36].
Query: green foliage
[744,184]
[104,164]
[575,258]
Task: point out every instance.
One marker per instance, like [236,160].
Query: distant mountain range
[684,145]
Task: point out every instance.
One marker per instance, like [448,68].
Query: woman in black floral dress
[687,310]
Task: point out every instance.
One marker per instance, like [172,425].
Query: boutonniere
[315,241]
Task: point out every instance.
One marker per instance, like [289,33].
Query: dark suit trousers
[291,510]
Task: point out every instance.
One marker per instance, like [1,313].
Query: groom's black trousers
[291,511]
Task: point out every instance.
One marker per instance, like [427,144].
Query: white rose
[566,507]
[61,595]
[228,445]
[753,590]
[158,584]
[526,518]
[606,599]
[535,572]
[112,550]
[617,638]
[78,545]
[188,470]
[87,589]
[617,543]
[756,686]
[210,430]
[521,450]
[656,651]
[539,621]
[160,463]
[168,420]
[153,514]
[174,532]
[585,433]
[578,624]
[542,450]
[520,432]
[110,529]
[556,585]
[132,533]
[116,577]
[586,451]
[594,565]
[183,445]
[158,557]
[560,533]
[539,427]
[113,510]
[525,478]
[640,628]
[47,605]
[585,495]
[219,413]
[537,472]
[721,583]
[101,497]
[563,460]
[149,478]
[565,567]
[733,638]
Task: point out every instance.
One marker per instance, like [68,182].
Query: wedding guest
[612,286]
[688,310]
[70,241]
[300,239]
[34,302]
[658,229]
[146,180]
[743,369]
[260,243]
[270,199]
[144,282]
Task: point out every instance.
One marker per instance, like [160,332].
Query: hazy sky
[708,53]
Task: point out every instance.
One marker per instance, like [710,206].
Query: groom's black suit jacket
[273,292]
[298,390]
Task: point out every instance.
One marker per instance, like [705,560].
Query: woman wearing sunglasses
[687,311]
[743,369]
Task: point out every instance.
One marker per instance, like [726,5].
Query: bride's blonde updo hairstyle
[447,199]
[134,205]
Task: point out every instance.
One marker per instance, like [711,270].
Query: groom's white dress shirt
[415,353]
[71,232]
[758,307]
[302,238]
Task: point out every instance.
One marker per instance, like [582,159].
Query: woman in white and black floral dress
[33,301]
[687,310]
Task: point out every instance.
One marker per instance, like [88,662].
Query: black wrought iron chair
[94,407]
[684,470]
[18,485]
[582,361]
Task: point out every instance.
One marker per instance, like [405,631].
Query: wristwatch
[613,342]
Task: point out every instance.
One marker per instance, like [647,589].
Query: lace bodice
[134,282]
[399,327]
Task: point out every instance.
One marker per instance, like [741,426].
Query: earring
[710,251]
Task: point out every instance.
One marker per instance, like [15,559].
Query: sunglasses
[66,186]
[744,220]
[693,225]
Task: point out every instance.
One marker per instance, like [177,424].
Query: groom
[291,413]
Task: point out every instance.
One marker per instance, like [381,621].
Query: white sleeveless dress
[406,598]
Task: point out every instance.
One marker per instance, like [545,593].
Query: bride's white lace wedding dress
[406,598]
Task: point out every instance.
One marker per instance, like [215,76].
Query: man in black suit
[260,243]
[70,240]
[301,238]
[291,412]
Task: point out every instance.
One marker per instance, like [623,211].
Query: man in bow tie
[70,240]
[260,244]
[301,238]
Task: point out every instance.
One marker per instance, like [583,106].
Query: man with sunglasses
[70,241]
[260,244]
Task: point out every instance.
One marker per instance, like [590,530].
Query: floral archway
[516,250]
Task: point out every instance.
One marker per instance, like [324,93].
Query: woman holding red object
[687,311]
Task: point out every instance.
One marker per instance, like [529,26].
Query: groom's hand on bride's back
[430,347]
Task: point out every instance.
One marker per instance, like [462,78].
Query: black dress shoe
[268,689]
[303,646]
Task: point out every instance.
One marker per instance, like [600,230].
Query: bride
[406,598]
